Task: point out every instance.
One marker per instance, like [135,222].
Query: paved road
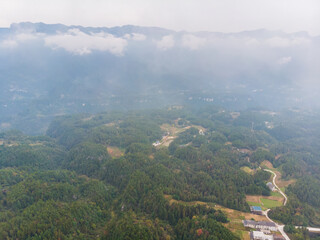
[274,183]
[311,229]
[280,227]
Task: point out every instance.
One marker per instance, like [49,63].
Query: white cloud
[251,41]
[278,42]
[135,36]
[192,42]
[81,43]
[22,37]
[284,60]
[286,42]
[14,40]
[9,43]
[166,42]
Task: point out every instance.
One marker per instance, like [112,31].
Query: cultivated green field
[270,203]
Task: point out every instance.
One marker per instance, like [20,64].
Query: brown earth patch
[110,124]
[237,216]
[256,198]
[277,157]
[88,118]
[251,198]
[283,183]
[267,164]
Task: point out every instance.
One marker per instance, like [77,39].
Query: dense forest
[145,174]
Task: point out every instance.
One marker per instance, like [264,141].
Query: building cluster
[263,230]
[263,226]
[256,235]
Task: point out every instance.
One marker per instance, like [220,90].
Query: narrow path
[280,227]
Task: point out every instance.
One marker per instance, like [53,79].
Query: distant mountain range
[53,69]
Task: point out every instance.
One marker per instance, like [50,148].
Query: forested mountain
[154,174]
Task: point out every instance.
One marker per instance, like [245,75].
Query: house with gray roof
[262,225]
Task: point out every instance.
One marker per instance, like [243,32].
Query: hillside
[100,176]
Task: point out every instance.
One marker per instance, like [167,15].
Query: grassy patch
[236,217]
[115,152]
[193,203]
[276,194]
[247,170]
[270,203]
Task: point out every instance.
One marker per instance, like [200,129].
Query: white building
[256,235]
[262,226]
[271,186]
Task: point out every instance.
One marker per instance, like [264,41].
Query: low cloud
[9,43]
[192,42]
[166,42]
[81,43]
[286,42]
[15,40]
[135,36]
[284,60]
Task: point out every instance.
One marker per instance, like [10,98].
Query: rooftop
[264,223]
[256,208]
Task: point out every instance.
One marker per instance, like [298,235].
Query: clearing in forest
[265,202]
[247,170]
[173,130]
[281,183]
[193,203]
[115,152]
[235,217]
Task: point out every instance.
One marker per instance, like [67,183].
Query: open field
[265,202]
[267,164]
[167,141]
[257,198]
[115,152]
[268,203]
[35,144]
[111,124]
[276,194]
[235,217]
[247,170]
[253,198]
[173,132]
[282,184]
[88,118]
[171,201]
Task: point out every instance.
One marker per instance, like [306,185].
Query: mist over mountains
[52,69]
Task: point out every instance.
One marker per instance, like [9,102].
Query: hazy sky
[190,15]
